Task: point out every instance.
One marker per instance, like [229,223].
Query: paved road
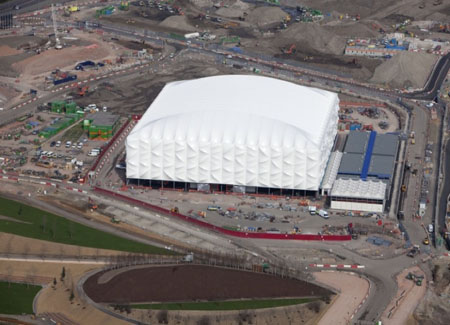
[445,188]
[435,81]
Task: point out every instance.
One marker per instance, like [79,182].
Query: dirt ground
[353,289]
[408,297]
[194,282]
[13,244]
[56,300]
[434,304]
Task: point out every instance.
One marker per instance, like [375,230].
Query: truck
[323,214]
[192,35]
[312,210]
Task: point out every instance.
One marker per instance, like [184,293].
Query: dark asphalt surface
[434,82]
[445,187]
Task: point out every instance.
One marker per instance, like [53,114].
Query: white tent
[235,129]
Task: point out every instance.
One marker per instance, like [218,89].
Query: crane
[58,45]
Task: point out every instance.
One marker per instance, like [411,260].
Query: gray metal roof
[103,118]
[381,166]
[356,142]
[357,188]
[386,145]
[351,163]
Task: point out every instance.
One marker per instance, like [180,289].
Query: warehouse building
[365,173]
[234,133]
[101,125]
[358,195]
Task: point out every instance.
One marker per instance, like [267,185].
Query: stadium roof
[359,189]
[235,129]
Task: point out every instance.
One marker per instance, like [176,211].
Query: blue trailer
[66,79]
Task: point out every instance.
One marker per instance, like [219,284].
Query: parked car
[430,228]
[53,143]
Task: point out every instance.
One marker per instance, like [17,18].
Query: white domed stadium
[250,131]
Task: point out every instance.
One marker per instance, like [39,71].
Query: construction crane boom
[58,45]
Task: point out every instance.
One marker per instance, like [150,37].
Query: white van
[312,210]
[323,214]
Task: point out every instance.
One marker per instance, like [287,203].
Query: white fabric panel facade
[238,130]
[357,206]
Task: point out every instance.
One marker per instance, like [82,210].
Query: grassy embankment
[225,305]
[17,298]
[39,224]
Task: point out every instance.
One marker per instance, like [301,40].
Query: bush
[162,317]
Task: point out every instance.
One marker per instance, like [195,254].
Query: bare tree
[9,244]
[9,273]
[43,249]
[26,248]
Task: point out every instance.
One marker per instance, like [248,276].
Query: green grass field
[226,305]
[39,224]
[74,133]
[17,298]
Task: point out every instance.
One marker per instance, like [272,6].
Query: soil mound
[177,22]
[192,282]
[264,16]
[315,38]
[406,69]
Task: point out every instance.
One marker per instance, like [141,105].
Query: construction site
[79,80]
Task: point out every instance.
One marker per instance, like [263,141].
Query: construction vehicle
[91,204]
[403,188]
[58,45]
[426,240]
[82,90]
[175,210]
[416,278]
[124,5]
[73,9]
[45,164]
[290,50]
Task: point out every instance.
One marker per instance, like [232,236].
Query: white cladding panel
[356,206]
[240,130]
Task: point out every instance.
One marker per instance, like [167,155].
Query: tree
[72,296]
[44,223]
[54,281]
[19,213]
[63,273]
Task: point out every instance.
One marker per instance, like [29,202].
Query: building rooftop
[332,169]
[386,145]
[351,164]
[356,142]
[102,119]
[359,189]
[381,166]
[381,160]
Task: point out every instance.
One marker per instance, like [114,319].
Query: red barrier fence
[110,143]
[242,234]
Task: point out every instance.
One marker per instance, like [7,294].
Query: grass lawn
[39,224]
[17,298]
[74,133]
[225,305]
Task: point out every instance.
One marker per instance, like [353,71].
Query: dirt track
[194,282]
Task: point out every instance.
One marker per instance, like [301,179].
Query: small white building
[358,195]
